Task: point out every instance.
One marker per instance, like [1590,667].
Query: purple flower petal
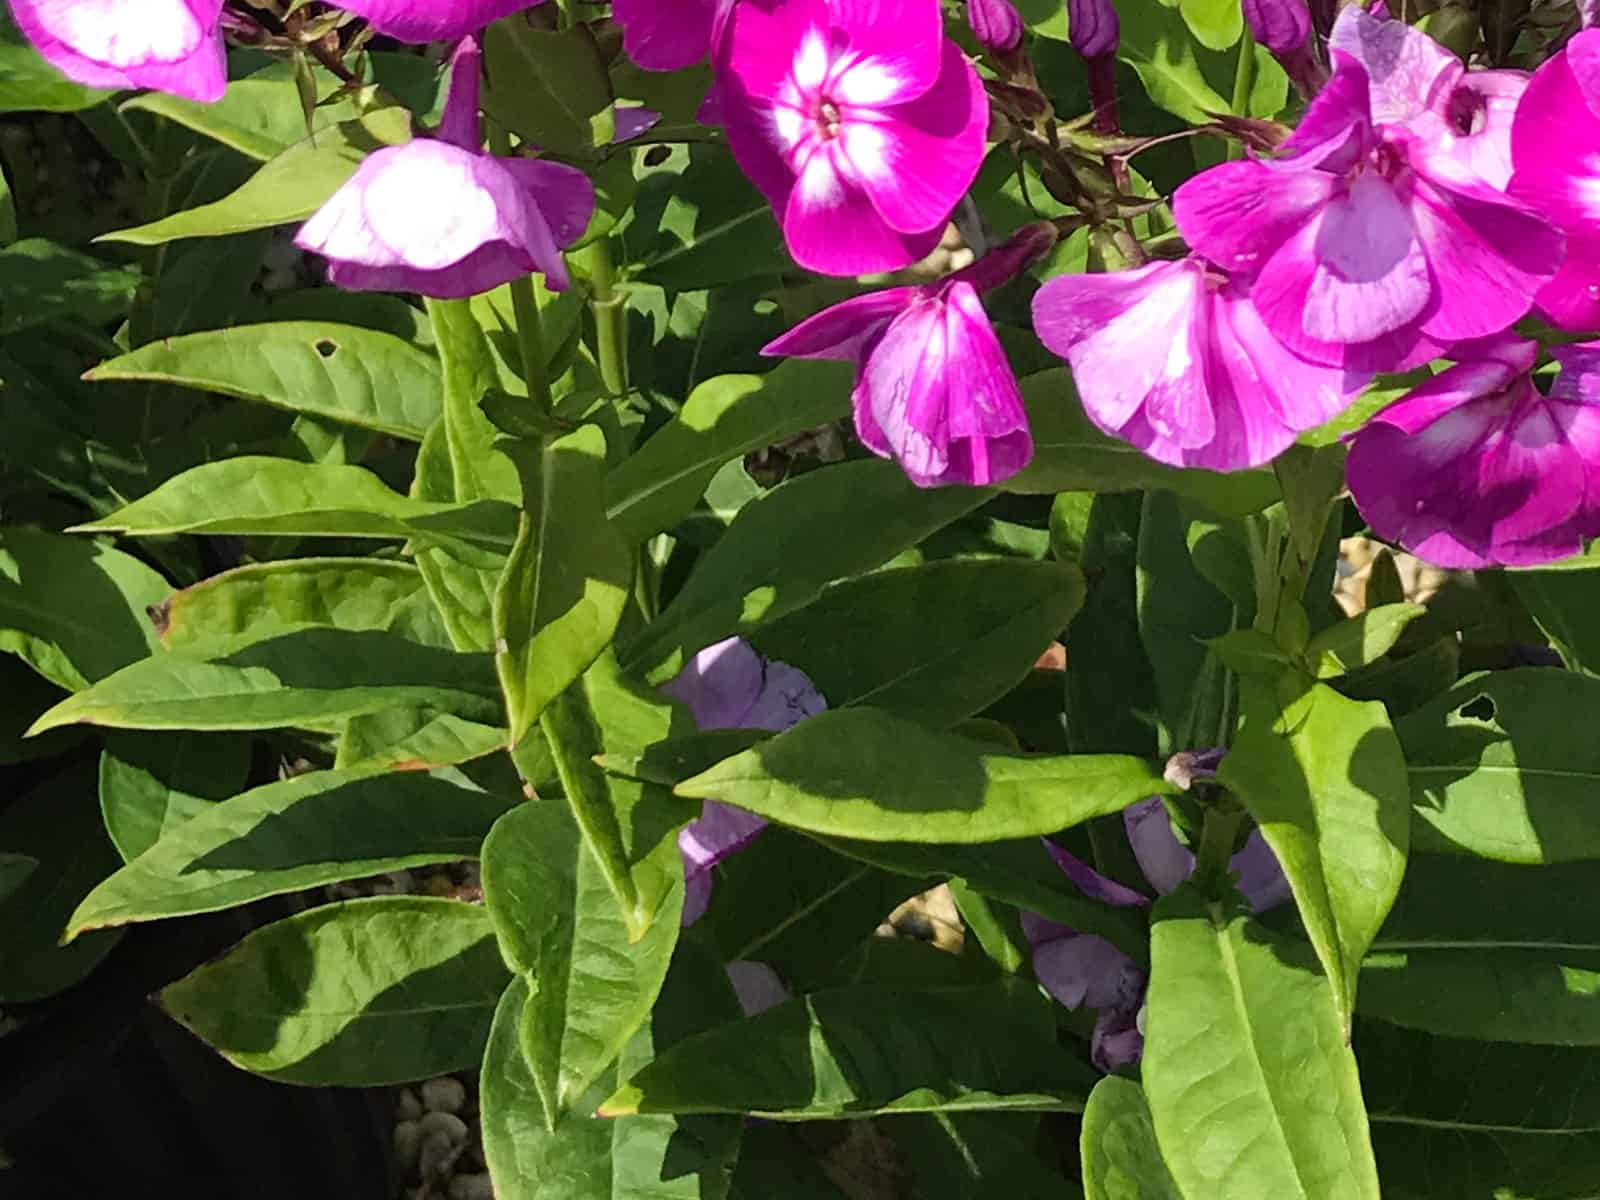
[1093,884]
[1117,1041]
[843,331]
[757,986]
[720,831]
[669,37]
[170,45]
[1261,879]
[1165,861]
[721,684]
[1082,969]
[433,20]
[1408,71]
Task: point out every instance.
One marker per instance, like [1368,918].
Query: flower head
[729,686]
[858,119]
[1175,358]
[1371,245]
[933,388]
[1476,468]
[433,20]
[170,45]
[668,37]
[440,217]
[1555,148]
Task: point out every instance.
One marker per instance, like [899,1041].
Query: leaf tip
[623,1103]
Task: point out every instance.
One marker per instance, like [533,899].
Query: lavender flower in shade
[858,119]
[1476,468]
[995,23]
[1555,148]
[757,986]
[440,217]
[433,20]
[1371,246]
[1081,969]
[170,45]
[1175,358]
[1415,83]
[668,37]
[729,686]
[933,388]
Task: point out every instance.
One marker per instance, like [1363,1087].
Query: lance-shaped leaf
[312,678]
[1250,1082]
[1324,778]
[72,609]
[1453,902]
[415,739]
[298,833]
[863,1050]
[478,470]
[462,591]
[41,281]
[1535,997]
[785,546]
[1121,1160]
[559,925]
[1500,768]
[861,773]
[723,418]
[337,373]
[14,868]
[933,643]
[278,496]
[272,597]
[566,581]
[152,783]
[360,994]
[1360,640]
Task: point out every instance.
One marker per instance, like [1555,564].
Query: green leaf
[1216,24]
[360,994]
[275,496]
[14,871]
[337,373]
[861,773]
[1528,996]
[415,739]
[313,829]
[1071,455]
[478,469]
[41,281]
[1561,602]
[1324,778]
[1121,1160]
[1250,1082]
[29,84]
[149,785]
[1499,768]
[547,86]
[72,608]
[1360,640]
[956,1156]
[858,1051]
[559,926]
[263,599]
[711,226]
[1453,902]
[723,418]
[1422,1162]
[566,581]
[462,592]
[310,678]
[289,188]
[57,825]
[785,546]
[1183,76]
[933,643]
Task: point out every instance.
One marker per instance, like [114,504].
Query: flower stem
[1244,83]
[1216,845]
[610,318]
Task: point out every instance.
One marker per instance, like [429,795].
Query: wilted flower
[433,20]
[170,45]
[440,217]
[995,23]
[862,124]
[933,388]
[729,686]
[1555,145]
[1174,358]
[1081,969]
[668,37]
[1475,468]
[1371,246]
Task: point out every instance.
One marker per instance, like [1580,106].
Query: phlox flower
[729,686]
[1175,358]
[440,217]
[1371,245]
[668,37]
[1084,970]
[1477,468]
[1555,147]
[433,20]
[170,45]
[933,388]
[860,122]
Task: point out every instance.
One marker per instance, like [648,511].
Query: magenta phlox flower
[440,217]
[668,37]
[1084,970]
[170,45]
[933,388]
[1478,468]
[1555,145]
[1371,246]
[433,20]
[729,686]
[860,122]
[995,23]
[1175,358]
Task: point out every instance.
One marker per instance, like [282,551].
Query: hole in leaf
[326,347]
[1480,709]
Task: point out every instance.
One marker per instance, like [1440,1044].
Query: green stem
[1244,83]
[610,318]
[1216,845]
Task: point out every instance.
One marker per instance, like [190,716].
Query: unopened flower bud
[1092,27]
[995,23]
[1279,25]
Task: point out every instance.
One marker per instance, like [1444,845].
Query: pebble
[472,1187]
[437,1155]
[444,1094]
[407,1106]
[407,1144]
[443,1124]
